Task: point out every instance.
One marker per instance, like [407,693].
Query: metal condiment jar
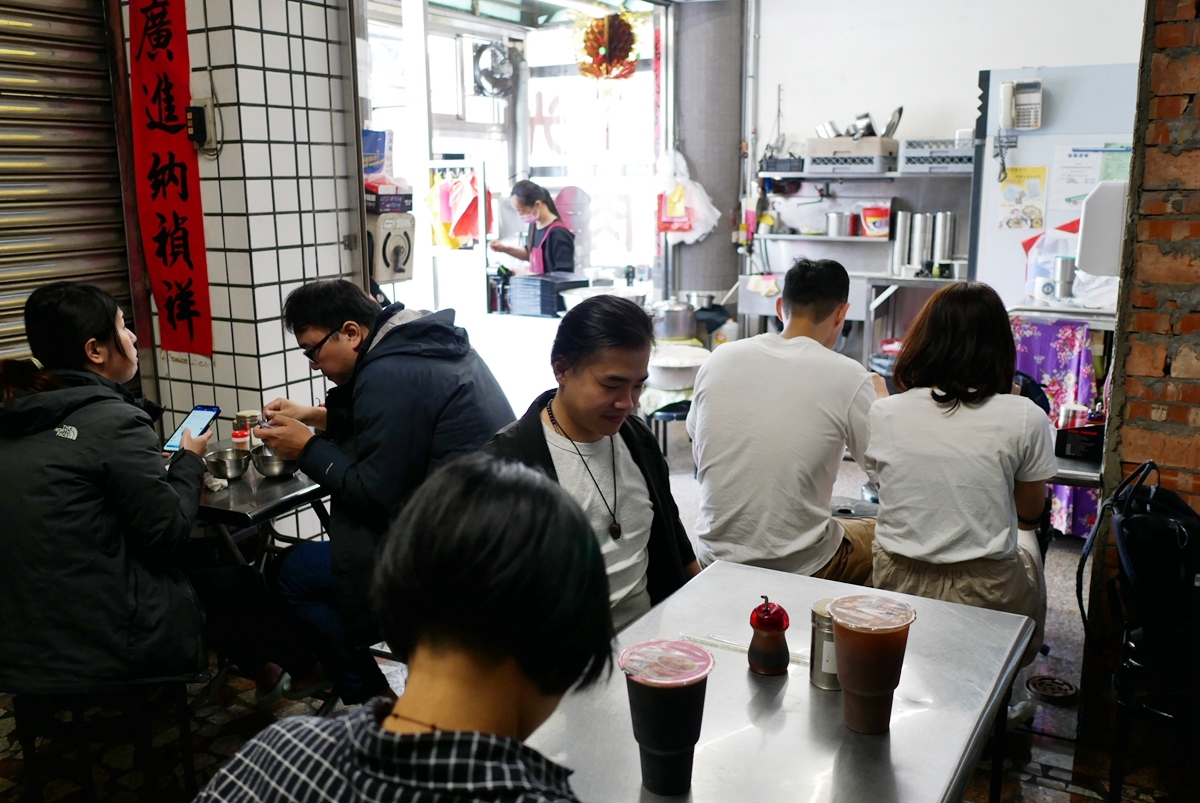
[768,653]
[822,664]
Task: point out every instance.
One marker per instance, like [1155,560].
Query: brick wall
[1155,413]
[1159,416]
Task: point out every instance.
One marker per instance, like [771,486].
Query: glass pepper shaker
[768,653]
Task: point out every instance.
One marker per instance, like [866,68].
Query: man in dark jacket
[411,394]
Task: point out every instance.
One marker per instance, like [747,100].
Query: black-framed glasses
[311,354]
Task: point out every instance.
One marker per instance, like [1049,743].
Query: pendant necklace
[614,529]
[433,728]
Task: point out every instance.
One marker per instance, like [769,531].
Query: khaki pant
[853,562]
[1014,585]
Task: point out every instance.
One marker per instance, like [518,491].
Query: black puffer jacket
[89,593]
[419,397]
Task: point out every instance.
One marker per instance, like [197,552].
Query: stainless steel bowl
[270,464]
[227,464]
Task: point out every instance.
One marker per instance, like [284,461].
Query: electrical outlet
[210,122]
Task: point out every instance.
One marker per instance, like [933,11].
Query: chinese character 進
[162,113]
[172,243]
[157,31]
[163,174]
[181,306]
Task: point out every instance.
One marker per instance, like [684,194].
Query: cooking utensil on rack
[894,123]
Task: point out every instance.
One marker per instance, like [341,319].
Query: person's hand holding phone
[198,444]
[312,416]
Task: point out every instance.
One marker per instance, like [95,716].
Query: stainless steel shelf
[817,238]
[860,176]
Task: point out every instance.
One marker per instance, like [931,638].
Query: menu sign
[167,174]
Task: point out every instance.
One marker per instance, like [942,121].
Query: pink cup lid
[664,662]
[871,613]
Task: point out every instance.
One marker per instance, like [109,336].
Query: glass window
[445,77]
[601,136]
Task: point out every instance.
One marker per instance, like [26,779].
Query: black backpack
[1156,591]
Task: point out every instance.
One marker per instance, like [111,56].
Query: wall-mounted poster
[1023,198]
[1076,172]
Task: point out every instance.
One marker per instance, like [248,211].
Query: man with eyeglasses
[410,395]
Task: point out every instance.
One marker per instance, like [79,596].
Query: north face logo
[70,433]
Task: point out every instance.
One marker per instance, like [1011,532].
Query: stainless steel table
[782,739]
[255,501]
[1073,471]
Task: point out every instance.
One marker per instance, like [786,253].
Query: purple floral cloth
[1058,354]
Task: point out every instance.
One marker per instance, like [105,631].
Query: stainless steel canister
[943,236]
[837,224]
[1064,277]
[900,244]
[921,244]
[822,657]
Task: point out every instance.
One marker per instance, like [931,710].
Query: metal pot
[227,464]
[674,320]
[701,300]
[269,464]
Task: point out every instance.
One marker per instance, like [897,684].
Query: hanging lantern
[608,44]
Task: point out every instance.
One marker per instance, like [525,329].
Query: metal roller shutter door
[60,189]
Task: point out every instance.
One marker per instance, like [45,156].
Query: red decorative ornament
[769,616]
[608,48]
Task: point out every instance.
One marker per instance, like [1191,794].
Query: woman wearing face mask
[551,243]
[585,436]
[96,589]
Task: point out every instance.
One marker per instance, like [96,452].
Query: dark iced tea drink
[870,633]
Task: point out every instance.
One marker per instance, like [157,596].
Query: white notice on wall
[1076,171]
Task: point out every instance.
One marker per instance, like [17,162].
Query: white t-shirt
[624,558]
[946,479]
[770,421]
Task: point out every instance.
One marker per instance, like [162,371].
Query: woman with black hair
[585,436]
[96,592]
[551,243]
[961,463]
[490,586]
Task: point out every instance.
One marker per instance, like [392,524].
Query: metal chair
[35,716]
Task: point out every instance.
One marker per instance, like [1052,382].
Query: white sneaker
[1020,713]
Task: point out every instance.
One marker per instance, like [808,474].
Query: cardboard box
[1080,443]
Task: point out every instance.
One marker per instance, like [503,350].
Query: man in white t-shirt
[770,421]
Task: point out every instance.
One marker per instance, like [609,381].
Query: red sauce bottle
[768,651]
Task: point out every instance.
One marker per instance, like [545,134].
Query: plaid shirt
[352,758]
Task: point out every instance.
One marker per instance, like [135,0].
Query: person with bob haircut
[411,394]
[585,436]
[961,462]
[100,586]
[492,588]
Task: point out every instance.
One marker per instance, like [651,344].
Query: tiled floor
[1043,763]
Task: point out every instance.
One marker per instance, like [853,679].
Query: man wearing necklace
[491,586]
[584,436]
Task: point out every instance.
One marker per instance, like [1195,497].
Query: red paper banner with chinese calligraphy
[168,174]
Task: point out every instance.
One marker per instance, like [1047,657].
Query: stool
[658,420]
[34,716]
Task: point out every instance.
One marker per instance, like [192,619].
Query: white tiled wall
[276,201]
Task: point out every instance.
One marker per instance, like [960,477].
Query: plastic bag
[672,175]
[1039,263]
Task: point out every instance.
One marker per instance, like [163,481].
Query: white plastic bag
[672,170]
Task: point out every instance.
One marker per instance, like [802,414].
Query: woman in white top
[961,463]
